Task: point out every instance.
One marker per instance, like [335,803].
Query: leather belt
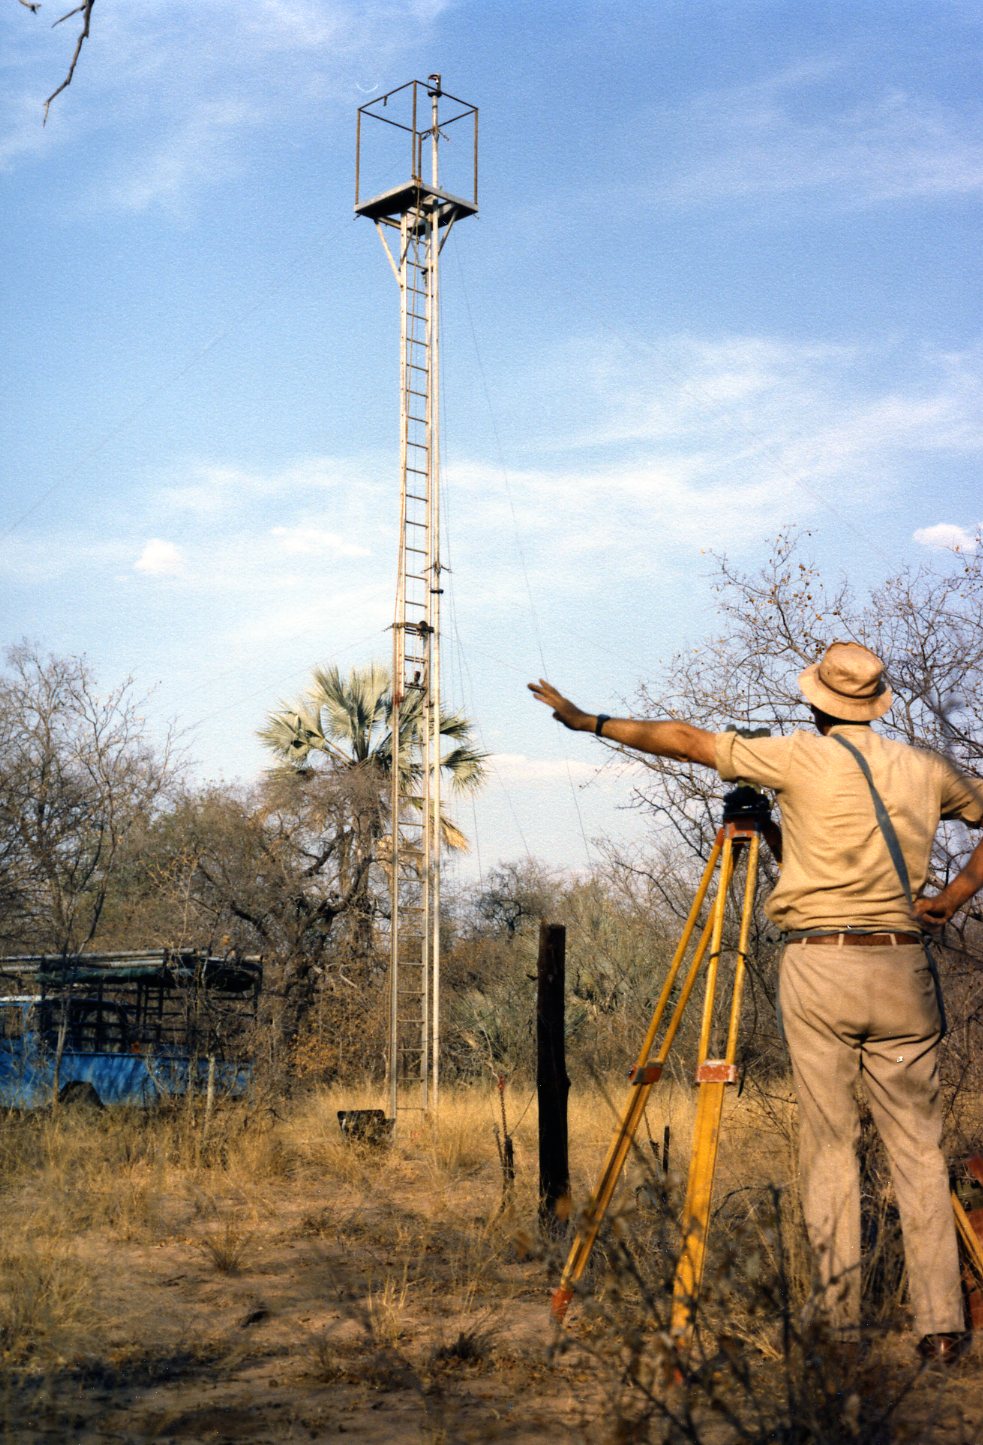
[865,940]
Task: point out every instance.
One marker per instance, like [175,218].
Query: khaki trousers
[856,1012]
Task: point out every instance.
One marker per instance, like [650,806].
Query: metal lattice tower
[414,219]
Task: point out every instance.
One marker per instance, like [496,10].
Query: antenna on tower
[413,220]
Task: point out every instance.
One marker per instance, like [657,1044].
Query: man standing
[858,994]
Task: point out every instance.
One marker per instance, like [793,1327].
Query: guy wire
[463,665]
[515,528]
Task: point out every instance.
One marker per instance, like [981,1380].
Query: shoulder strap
[897,858]
[883,817]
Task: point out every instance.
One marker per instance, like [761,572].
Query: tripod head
[748,806]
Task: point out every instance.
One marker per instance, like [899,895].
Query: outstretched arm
[938,910]
[678,740]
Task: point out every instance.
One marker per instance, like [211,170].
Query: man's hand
[934,912]
[564,710]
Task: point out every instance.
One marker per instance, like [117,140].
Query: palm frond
[292,734]
[450,834]
[452,837]
[354,707]
[465,767]
[327,694]
[455,725]
[350,720]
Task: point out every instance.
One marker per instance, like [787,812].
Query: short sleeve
[962,796]
[763,761]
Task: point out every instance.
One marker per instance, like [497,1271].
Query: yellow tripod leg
[696,1211]
[706,1133]
[713,1078]
[647,1071]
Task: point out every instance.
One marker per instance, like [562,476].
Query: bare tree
[77,776]
[926,623]
[279,868]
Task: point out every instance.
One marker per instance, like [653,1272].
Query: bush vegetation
[164,1256]
[272,1281]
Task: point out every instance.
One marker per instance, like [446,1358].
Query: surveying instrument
[746,814]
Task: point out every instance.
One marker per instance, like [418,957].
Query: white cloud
[31,558]
[813,129]
[713,443]
[313,541]
[204,146]
[209,490]
[694,443]
[160,559]
[361,610]
[21,134]
[313,25]
[214,488]
[518,768]
[948,537]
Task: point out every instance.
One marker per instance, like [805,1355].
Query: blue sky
[725,278]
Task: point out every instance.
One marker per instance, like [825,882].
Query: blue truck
[133,1028]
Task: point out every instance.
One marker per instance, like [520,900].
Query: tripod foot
[558,1304]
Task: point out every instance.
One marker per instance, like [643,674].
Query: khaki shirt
[836,867]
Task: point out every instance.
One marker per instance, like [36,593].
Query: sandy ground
[302,1342]
[382,1301]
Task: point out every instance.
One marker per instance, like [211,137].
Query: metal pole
[433,759]
[393,1062]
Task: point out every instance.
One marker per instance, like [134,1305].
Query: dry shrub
[760,1369]
[474,1345]
[388,1311]
[344,1035]
[90,1170]
[361,1363]
[313,1057]
[227,1247]
[45,1301]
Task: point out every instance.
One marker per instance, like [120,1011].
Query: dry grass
[45,1301]
[290,1282]
[227,1248]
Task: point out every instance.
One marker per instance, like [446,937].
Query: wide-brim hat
[848,683]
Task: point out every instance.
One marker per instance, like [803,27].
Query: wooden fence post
[552,1084]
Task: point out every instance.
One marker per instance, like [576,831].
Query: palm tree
[349,721]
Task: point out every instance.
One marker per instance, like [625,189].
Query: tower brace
[414,220]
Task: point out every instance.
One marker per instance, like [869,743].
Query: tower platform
[416,195]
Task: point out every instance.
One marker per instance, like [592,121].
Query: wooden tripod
[739,833]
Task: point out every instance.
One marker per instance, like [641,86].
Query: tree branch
[85,10]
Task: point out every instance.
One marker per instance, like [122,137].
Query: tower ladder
[420,213]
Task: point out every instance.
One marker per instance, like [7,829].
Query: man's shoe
[944,1349]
